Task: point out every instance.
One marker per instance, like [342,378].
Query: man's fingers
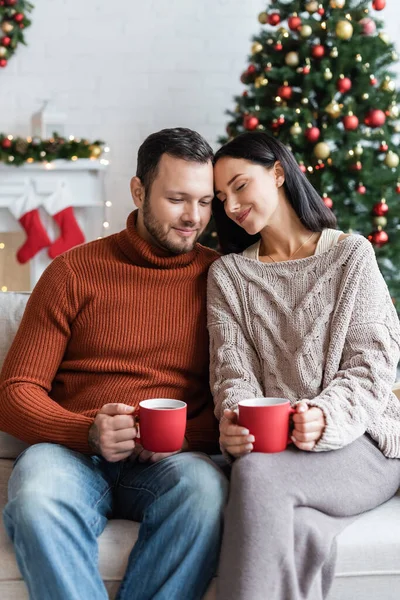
[123,447]
[123,435]
[122,422]
[116,408]
[239,450]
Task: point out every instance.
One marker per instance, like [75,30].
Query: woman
[296,310]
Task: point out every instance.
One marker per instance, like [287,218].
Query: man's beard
[161,237]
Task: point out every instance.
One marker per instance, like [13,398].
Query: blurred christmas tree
[320,79]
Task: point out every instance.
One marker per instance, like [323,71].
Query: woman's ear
[279,174]
[137,191]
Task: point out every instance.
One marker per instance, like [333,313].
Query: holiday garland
[13,21]
[17,151]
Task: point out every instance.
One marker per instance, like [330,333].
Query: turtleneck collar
[143,254]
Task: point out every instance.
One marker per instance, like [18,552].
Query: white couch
[368,566]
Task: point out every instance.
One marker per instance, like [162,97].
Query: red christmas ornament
[11,2]
[294,22]
[321,11]
[350,122]
[344,84]
[274,18]
[368,26]
[278,46]
[312,134]
[327,201]
[398,188]
[375,118]
[3,62]
[285,92]
[281,120]
[357,166]
[251,69]
[6,144]
[245,94]
[275,125]
[373,81]
[318,51]
[383,147]
[378,238]
[5,41]
[361,189]
[19,17]
[306,70]
[21,25]
[380,209]
[250,122]
[379,4]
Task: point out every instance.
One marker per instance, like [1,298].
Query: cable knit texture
[322,329]
[110,321]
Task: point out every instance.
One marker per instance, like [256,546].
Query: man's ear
[137,191]
[279,174]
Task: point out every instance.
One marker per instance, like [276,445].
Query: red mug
[268,420]
[162,424]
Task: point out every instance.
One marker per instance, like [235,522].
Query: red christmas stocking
[24,207]
[37,238]
[70,233]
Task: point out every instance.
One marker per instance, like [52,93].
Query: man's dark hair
[178,142]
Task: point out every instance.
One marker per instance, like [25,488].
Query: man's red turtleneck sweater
[110,321]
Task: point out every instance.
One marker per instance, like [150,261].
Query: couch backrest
[12,306]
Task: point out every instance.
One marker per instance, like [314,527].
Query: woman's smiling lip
[242,216]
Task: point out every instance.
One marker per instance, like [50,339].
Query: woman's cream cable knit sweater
[322,328]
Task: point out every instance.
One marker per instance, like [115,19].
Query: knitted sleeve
[235,371]
[362,387]
[26,409]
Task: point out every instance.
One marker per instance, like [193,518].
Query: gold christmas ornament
[311,7]
[379,221]
[260,81]
[263,18]
[95,151]
[322,150]
[305,31]
[337,3]
[365,96]
[328,74]
[394,111]
[333,109]
[358,58]
[3,51]
[256,48]
[295,129]
[384,37]
[334,52]
[304,100]
[344,30]
[358,150]
[392,159]
[395,56]
[7,27]
[388,85]
[292,59]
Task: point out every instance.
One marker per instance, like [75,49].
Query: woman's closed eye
[240,187]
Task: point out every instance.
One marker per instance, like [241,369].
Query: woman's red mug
[162,424]
[268,420]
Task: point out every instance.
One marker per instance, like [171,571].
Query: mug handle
[291,412]
[137,425]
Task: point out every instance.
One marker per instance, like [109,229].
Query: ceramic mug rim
[263,402]
[166,403]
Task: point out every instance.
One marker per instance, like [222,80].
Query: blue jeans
[60,502]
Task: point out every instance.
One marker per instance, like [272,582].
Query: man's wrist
[93,439]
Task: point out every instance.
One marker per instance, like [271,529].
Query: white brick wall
[121,70]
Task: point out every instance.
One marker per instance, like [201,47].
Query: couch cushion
[12,306]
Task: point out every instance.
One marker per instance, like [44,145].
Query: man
[109,324]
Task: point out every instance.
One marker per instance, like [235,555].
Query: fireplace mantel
[85,180]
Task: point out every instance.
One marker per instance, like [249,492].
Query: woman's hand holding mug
[309,424]
[234,438]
